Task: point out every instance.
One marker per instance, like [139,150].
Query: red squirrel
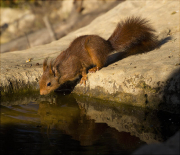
[132,36]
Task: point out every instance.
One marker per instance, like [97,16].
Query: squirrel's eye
[49,84]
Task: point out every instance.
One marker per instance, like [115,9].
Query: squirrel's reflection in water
[80,120]
[66,115]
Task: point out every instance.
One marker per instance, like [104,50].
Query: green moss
[16,87]
[15,91]
[146,87]
[9,98]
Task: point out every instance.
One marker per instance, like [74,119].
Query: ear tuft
[56,74]
[45,64]
[51,68]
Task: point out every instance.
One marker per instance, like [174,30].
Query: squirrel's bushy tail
[134,35]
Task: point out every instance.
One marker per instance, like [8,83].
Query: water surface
[72,124]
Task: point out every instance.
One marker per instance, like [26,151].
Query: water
[79,125]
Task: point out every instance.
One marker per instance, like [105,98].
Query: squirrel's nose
[42,92]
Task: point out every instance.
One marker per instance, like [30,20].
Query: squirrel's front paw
[83,80]
[93,70]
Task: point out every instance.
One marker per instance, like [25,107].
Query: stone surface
[146,80]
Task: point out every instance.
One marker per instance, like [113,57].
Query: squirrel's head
[49,79]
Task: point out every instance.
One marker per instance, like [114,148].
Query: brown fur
[131,36]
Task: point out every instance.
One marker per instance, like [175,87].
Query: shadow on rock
[121,55]
[171,93]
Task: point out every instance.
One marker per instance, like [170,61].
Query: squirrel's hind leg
[96,49]
[98,59]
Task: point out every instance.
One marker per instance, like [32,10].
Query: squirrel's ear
[51,68]
[45,64]
[56,74]
[54,70]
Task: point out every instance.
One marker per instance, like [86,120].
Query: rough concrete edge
[20,83]
[148,97]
